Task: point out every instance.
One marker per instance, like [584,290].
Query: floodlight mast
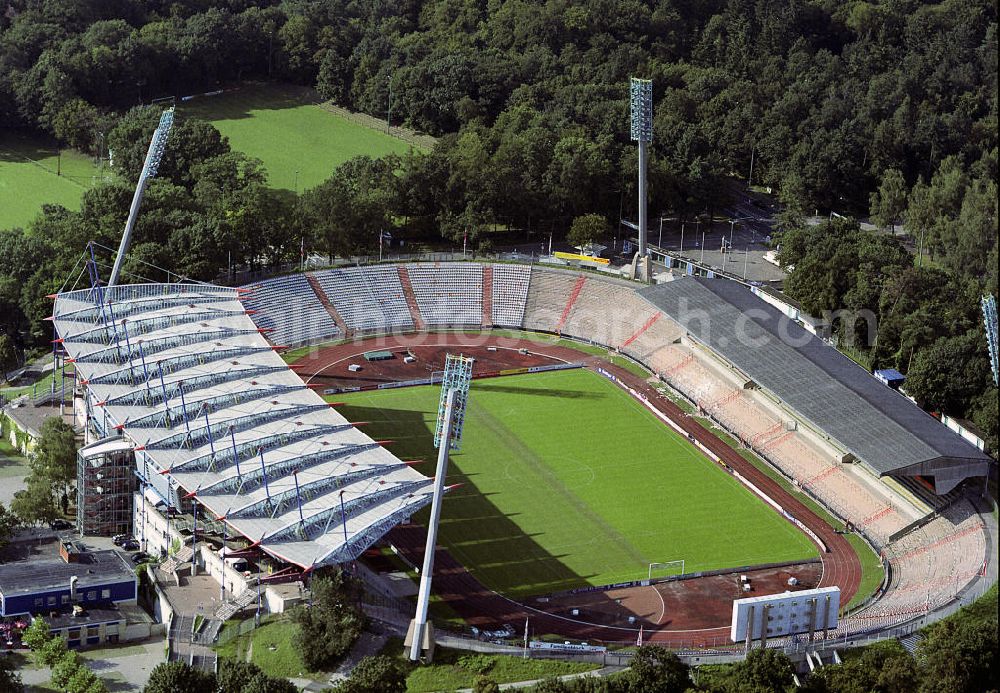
[641,98]
[447,435]
[989,306]
[157,145]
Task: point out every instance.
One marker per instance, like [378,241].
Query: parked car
[120,539]
[140,557]
[60,524]
[130,545]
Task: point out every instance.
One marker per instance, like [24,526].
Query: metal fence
[232,630]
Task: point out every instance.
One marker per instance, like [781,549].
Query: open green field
[568,481]
[285,128]
[28,177]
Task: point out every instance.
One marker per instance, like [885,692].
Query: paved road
[12,473]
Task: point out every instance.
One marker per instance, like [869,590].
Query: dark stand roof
[873,422]
[41,575]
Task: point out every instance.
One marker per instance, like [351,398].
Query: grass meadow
[283,126]
[568,481]
[28,177]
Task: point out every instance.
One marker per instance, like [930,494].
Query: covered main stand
[181,390]
[872,424]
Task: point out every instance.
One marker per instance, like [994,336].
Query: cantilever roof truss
[184,374]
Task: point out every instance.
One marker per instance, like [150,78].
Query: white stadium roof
[182,371]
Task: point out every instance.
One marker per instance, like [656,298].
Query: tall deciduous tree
[8,526]
[178,677]
[888,203]
[378,674]
[54,459]
[657,670]
[35,504]
[586,229]
[8,356]
[330,624]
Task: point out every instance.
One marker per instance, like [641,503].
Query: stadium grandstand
[180,376]
[186,379]
[866,453]
[875,425]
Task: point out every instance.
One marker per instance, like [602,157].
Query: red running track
[480,606]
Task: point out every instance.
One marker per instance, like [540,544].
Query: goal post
[666,565]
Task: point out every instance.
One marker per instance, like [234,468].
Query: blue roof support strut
[142,359]
[263,471]
[298,495]
[236,454]
[187,425]
[163,388]
[211,440]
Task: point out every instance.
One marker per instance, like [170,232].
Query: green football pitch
[568,481]
[284,127]
[28,178]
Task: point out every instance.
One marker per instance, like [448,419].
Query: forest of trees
[886,107]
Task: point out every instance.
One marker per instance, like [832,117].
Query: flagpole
[525,637]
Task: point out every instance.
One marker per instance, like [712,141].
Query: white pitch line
[663,605]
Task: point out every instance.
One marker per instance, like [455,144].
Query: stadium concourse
[913,498]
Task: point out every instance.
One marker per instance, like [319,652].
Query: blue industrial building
[77,592]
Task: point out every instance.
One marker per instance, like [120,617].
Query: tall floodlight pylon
[641,93]
[989,304]
[157,145]
[447,436]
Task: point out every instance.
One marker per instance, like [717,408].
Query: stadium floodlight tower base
[447,436]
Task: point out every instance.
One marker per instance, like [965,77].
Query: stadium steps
[411,298]
[325,300]
[487,295]
[931,499]
[638,333]
[183,555]
[765,434]
[911,641]
[876,516]
[673,370]
[242,601]
[775,442]
[575,294]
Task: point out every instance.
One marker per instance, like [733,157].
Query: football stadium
[634,457]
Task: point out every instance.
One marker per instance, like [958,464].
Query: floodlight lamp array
[641,99]
[989,304]
[457,377]
[159,143]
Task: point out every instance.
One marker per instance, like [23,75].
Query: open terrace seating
[548,293]
[289,308]
[368,299]
[606,313]
[448,294]
[510,293]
